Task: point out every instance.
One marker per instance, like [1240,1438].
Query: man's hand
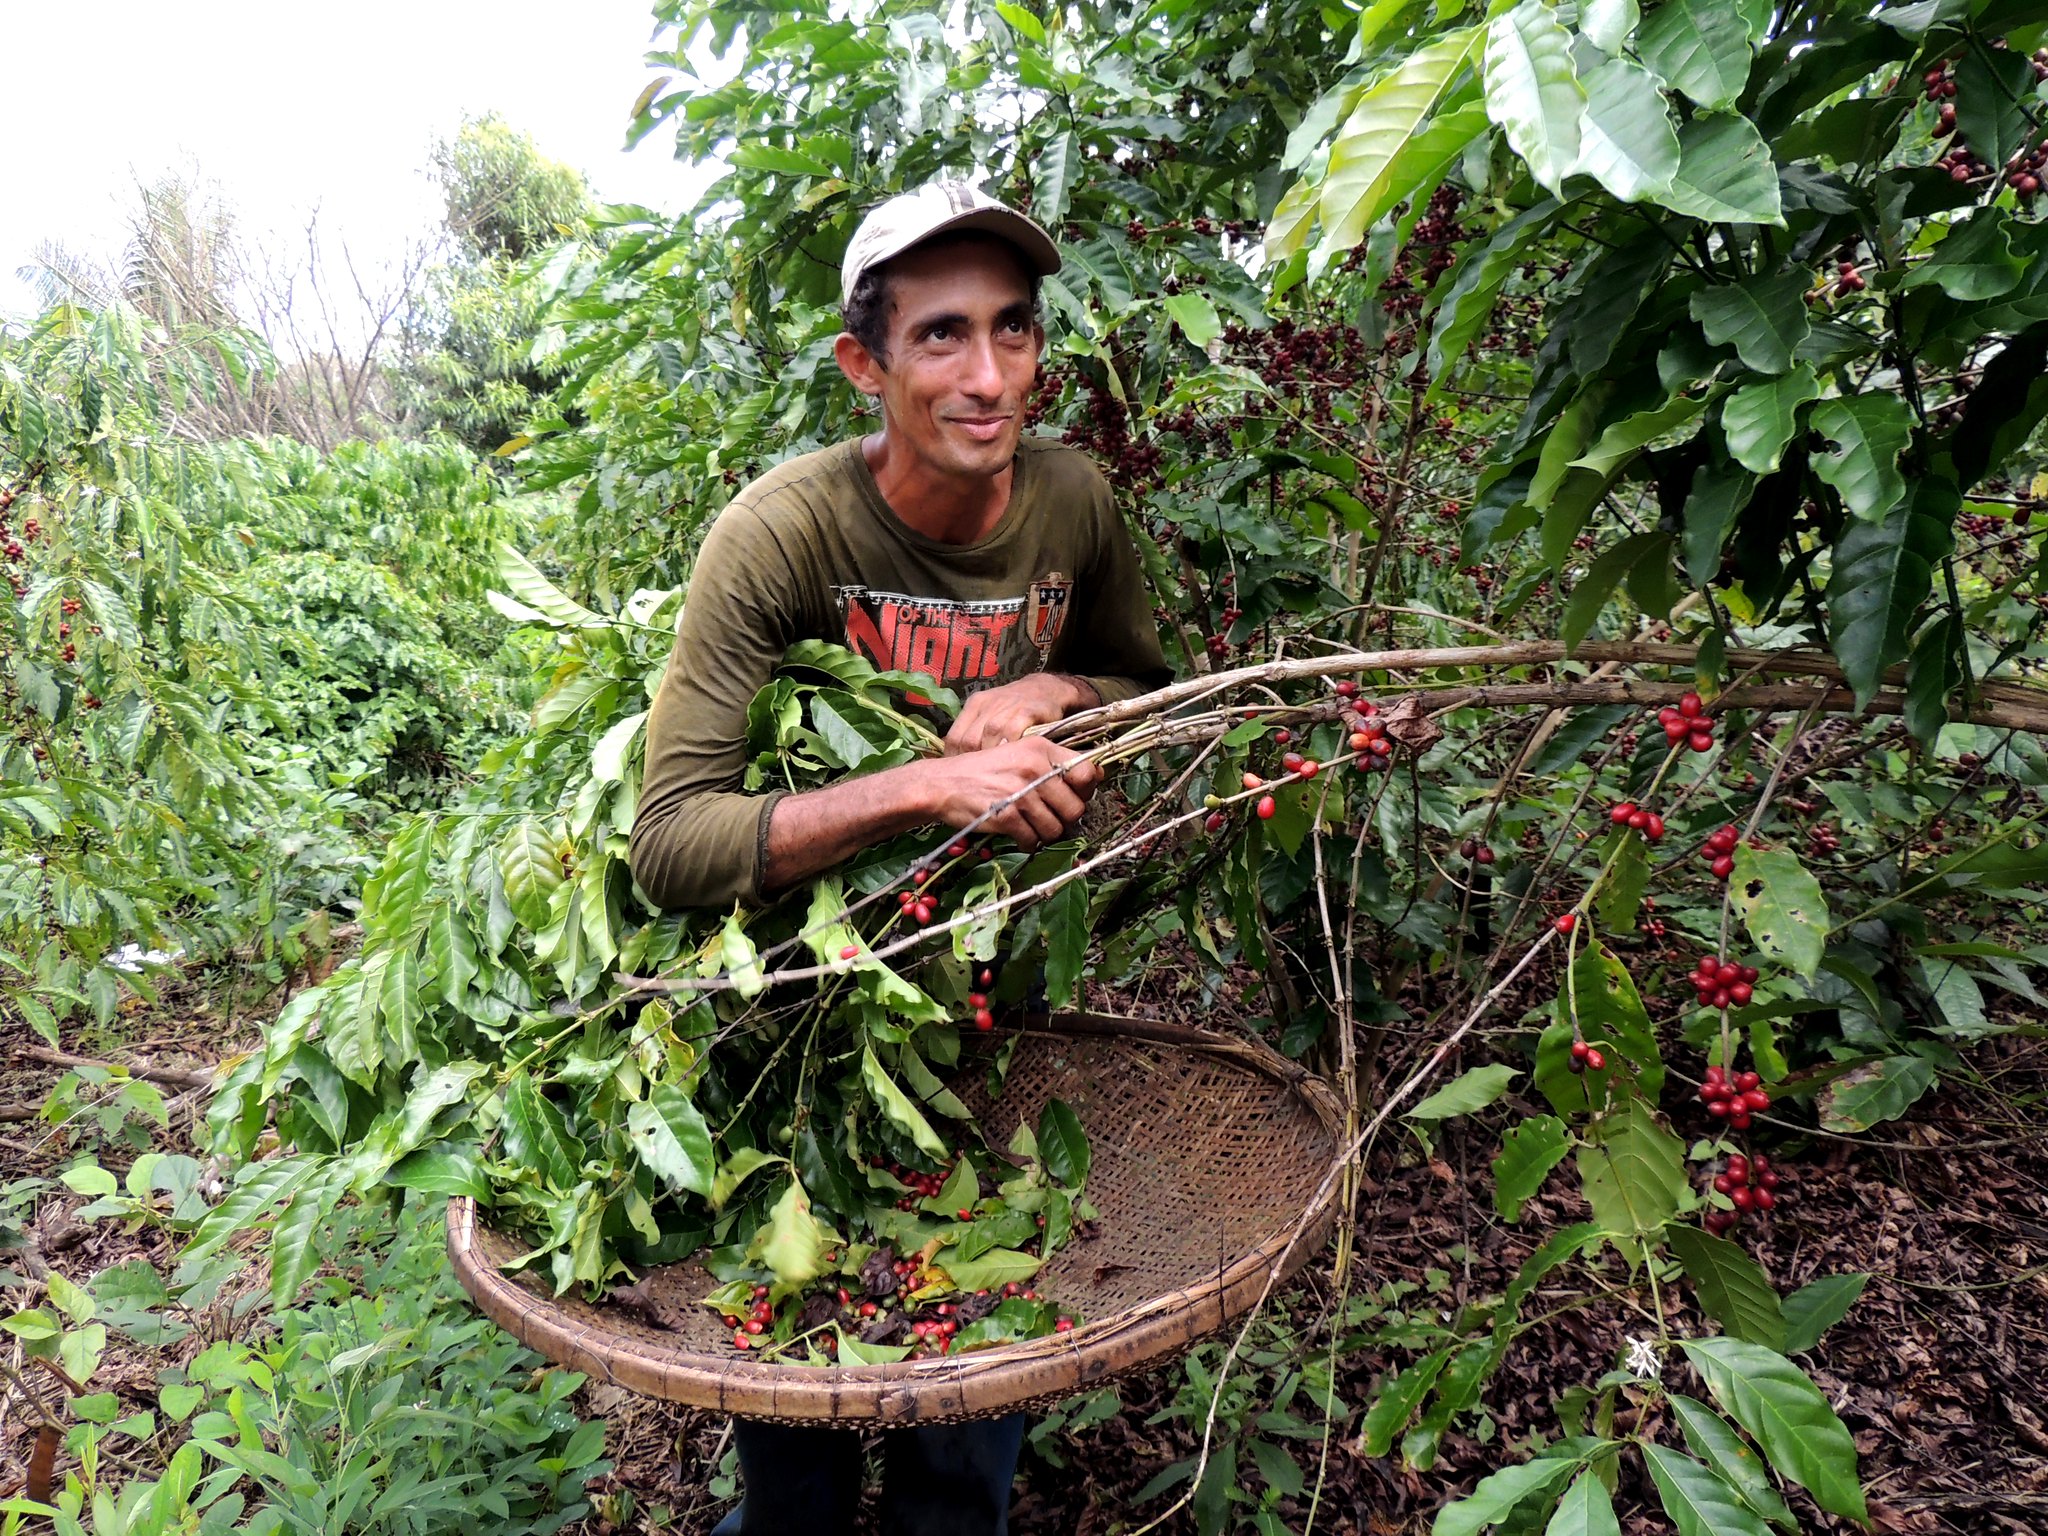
[965,786]
[999,715]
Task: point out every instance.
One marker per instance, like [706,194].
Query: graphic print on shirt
[959,644]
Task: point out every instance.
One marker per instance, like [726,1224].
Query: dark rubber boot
[950,1479]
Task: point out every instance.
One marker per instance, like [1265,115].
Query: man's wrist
[1082,694]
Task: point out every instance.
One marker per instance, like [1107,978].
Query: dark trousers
[937,1479]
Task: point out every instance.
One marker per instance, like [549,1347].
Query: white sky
[285,105]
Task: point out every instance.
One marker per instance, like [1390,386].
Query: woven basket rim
[982,1383]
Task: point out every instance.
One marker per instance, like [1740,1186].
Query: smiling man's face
[963,356]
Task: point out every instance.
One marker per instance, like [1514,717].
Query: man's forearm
[813,831]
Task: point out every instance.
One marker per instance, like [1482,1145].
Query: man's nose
[984,372]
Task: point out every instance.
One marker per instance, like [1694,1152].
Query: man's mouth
[984,429]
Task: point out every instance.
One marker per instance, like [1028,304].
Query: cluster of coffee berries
[922,1185]
[1688,721]
[1735,1097]
[1719,852]
[1722,983]
[1632,816]
[1823,839]
[1476,851]
[1847,279]
[1587,1058]
[1372,747]
[1750,1183]
[759,1317]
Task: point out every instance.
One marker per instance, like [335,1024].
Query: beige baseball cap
[940,207]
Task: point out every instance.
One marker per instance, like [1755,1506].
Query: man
[947,544]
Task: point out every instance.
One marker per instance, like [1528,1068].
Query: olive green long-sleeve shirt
[811,550]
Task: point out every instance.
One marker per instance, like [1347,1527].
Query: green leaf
[1532,92]
[1719,492]
[1466,1094]
[792,1242]
[1874,1093]
[1607,24]
[1763,318]
[258,1188]
[1626,141]
[1062,1144]
[536,593]
[1495,1496]
[1528,1152]
[735,1171]
[1065,923]
[1995,94]
[895,1104]
[1626,438]
[1781,904]
[1590,595]
[1697,1501]
[1730,1284]
[1725,173]
[1974,260]
[1023,21]
[1760,419]
[1633,1171]
[997,1267]
[1621,892]
[1467,300]
[672,1138]
[1784,1412]
[1360,184]
[530,870]
[1397,1401]
[1816,1307]
[1610,1014]
[1881,574]
[1700,47]
[442,1171]
[293,1254]
[1195,315]
[739,961]
[1709,1437]
[536,1135]
[1869,431]
[1586,1509]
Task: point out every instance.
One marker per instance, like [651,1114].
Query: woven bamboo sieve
[1206,1152]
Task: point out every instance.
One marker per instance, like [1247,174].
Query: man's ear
[862,371]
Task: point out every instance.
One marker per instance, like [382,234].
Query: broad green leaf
[1760,419]
[1528,1152]
[998,1266]
[1881,574]
[1869,432]
[1607,24]
[536,1134]
[1610,1012]
[1996,101]
[442,1171]
[1063,1144]
[1957,998]
[1626,438]
[531,870]
[1023,20]
[1587,1509]
[1626,140]
[1532,92]
[1065,923]
[1719,492]
[1725,173]
[1360,186]
[1816,1307]
[258,1188]
[735,1171]
[792,1242]
[1195,315]
[1763,318]
[1781,904]
[895,1104]
[1730,1284]
[1495,1496]
[672,1138]
[1621,892]
[1467,1094]
[1397,1401]
[738,959]
[1697,1501]
[1784,1412]
[1874,1093]
[536,592]
[1633,1171]
[1710,1438]
[1467,300]
[1974,260]
[1700,47]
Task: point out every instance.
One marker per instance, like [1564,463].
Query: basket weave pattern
[1206,1152]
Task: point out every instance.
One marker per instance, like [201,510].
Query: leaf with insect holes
[1781,904]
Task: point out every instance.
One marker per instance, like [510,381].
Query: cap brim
[1040,254]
